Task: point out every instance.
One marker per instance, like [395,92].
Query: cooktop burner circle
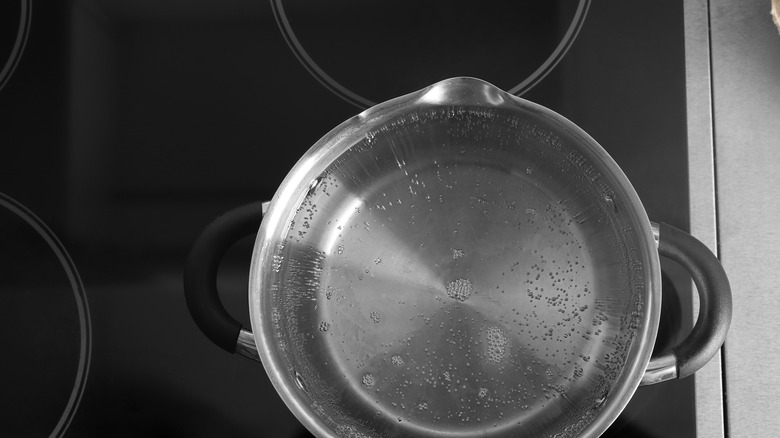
[46,308]
[14,28]
[397,48]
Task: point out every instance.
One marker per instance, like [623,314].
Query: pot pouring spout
[465,91]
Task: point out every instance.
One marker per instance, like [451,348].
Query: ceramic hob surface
[128,126]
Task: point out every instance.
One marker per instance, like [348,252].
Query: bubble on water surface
[460,289]
[496,348]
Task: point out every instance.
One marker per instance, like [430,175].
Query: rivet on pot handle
[200,278]
[712,323]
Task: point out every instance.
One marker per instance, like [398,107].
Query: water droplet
[600,401]
[610,202]
[300,382]
[314,184]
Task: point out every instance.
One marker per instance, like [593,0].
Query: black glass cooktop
[128,125]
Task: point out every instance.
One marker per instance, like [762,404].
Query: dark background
[127,126]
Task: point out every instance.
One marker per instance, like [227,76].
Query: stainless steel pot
[457,262]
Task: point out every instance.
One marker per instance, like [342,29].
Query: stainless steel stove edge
[709,410]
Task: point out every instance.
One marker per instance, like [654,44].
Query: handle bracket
[714,317]
[200,278]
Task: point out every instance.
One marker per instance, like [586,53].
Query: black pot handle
[714,318]
[200,278]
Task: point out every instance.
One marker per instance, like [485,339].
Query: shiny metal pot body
[458,262]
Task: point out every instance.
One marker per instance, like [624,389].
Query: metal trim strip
[710,418]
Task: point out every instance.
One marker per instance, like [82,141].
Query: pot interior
[460,271]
